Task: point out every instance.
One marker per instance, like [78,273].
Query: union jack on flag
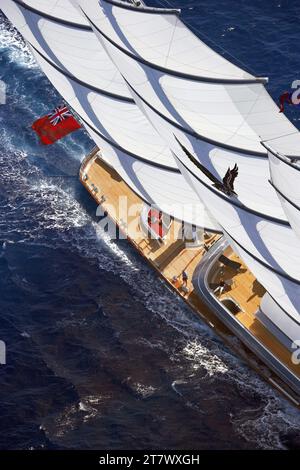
[55,125]
[59,114]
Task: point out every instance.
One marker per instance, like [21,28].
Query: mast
[89,81]
[219,113]
[151,80]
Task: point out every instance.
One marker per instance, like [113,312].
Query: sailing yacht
[171,118]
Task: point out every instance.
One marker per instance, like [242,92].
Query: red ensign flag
[59,123]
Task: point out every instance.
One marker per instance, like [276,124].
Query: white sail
[60,9]
[252,186]
[135,149]
[270,250]
[218,111]
[237,116]
[279,321]
[68,47]
[152,181]
[274,244]
[285,178]
[164,189]
[160,37]
[283,291]
[233,115]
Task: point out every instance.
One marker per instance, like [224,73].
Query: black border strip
[80,82]
[233,201]
[144,8]
[174,73]
[52,18]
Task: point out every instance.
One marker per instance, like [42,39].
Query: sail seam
[195,134]
[233,202]
[80,82]
[52,18]
[284,197]
[263,263]
[283,309]
[174,72]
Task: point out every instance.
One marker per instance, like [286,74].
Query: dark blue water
[99,353]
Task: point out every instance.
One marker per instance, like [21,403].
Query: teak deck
[172,258]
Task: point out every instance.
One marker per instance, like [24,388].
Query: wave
[13,43]
[38,209]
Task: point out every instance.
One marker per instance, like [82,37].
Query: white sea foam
[202,357]
[143,390]
[11,40]
[276,416]
[61,212]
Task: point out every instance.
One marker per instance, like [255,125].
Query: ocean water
[100,354]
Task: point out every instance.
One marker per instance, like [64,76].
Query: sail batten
[152,89]
[117,121]
[69,49]
[152,181]
[56,10]
[236,116]
[178,73]
[285,178]
[161,39]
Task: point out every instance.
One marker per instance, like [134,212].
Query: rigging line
[201,34]
[69,75]
[171,41]
[280,136]
[233,202]
[284,197]
[196,135]
[52,18]
[54,6]
[175,73]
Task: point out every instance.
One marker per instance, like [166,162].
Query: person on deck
[184,278]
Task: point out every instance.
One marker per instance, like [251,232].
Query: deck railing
[86,159]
